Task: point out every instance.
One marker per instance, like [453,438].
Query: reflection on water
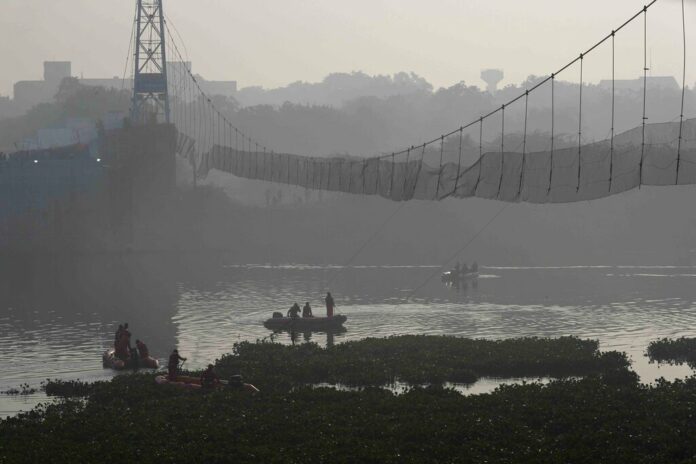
[57,316]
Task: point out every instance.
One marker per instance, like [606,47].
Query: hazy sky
[274,42]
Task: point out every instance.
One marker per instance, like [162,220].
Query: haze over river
[58,316]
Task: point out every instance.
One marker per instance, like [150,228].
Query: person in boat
[143,351]
[124,347]
[465,269]
[329,305]
[117,337]
[122,350]
[127,333]
[474,267]
[307,310]
[294,311]
[173,366]
[209,378]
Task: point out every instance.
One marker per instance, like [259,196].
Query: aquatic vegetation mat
[675,351]
[416,360]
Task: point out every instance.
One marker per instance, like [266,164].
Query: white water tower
[492,77]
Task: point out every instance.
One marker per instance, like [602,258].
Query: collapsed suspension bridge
[658,154]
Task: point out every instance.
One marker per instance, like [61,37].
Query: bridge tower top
[150,95]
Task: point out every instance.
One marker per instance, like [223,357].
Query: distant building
[636,85]
[28,94]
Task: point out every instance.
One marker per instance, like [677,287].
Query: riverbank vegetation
[605,416]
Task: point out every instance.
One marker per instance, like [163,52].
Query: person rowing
[173,366]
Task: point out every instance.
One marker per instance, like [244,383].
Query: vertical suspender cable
[256,159]
[391,181]
[580,127]
[439,172]
[502,152]
[645,88]
[406,171]
[459,162]
[613,108]
[420,167]
[236,148]
[553,81]
[480,160]
[524,145]
[681,113]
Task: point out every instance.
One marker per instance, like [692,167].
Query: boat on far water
[305,323]
[451,277]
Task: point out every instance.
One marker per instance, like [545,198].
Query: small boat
[452,276]
[300,324]
[109,360]
[194,383]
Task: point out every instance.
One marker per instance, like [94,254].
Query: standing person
[117,337]
[127,334]
[329,305]
[121,348]
[173,366]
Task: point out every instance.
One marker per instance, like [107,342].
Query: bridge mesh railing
[568,174]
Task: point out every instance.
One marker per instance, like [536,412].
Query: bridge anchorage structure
[150,94]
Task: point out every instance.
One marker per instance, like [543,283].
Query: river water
[57,316]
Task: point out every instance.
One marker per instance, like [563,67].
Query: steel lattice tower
[150,95]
